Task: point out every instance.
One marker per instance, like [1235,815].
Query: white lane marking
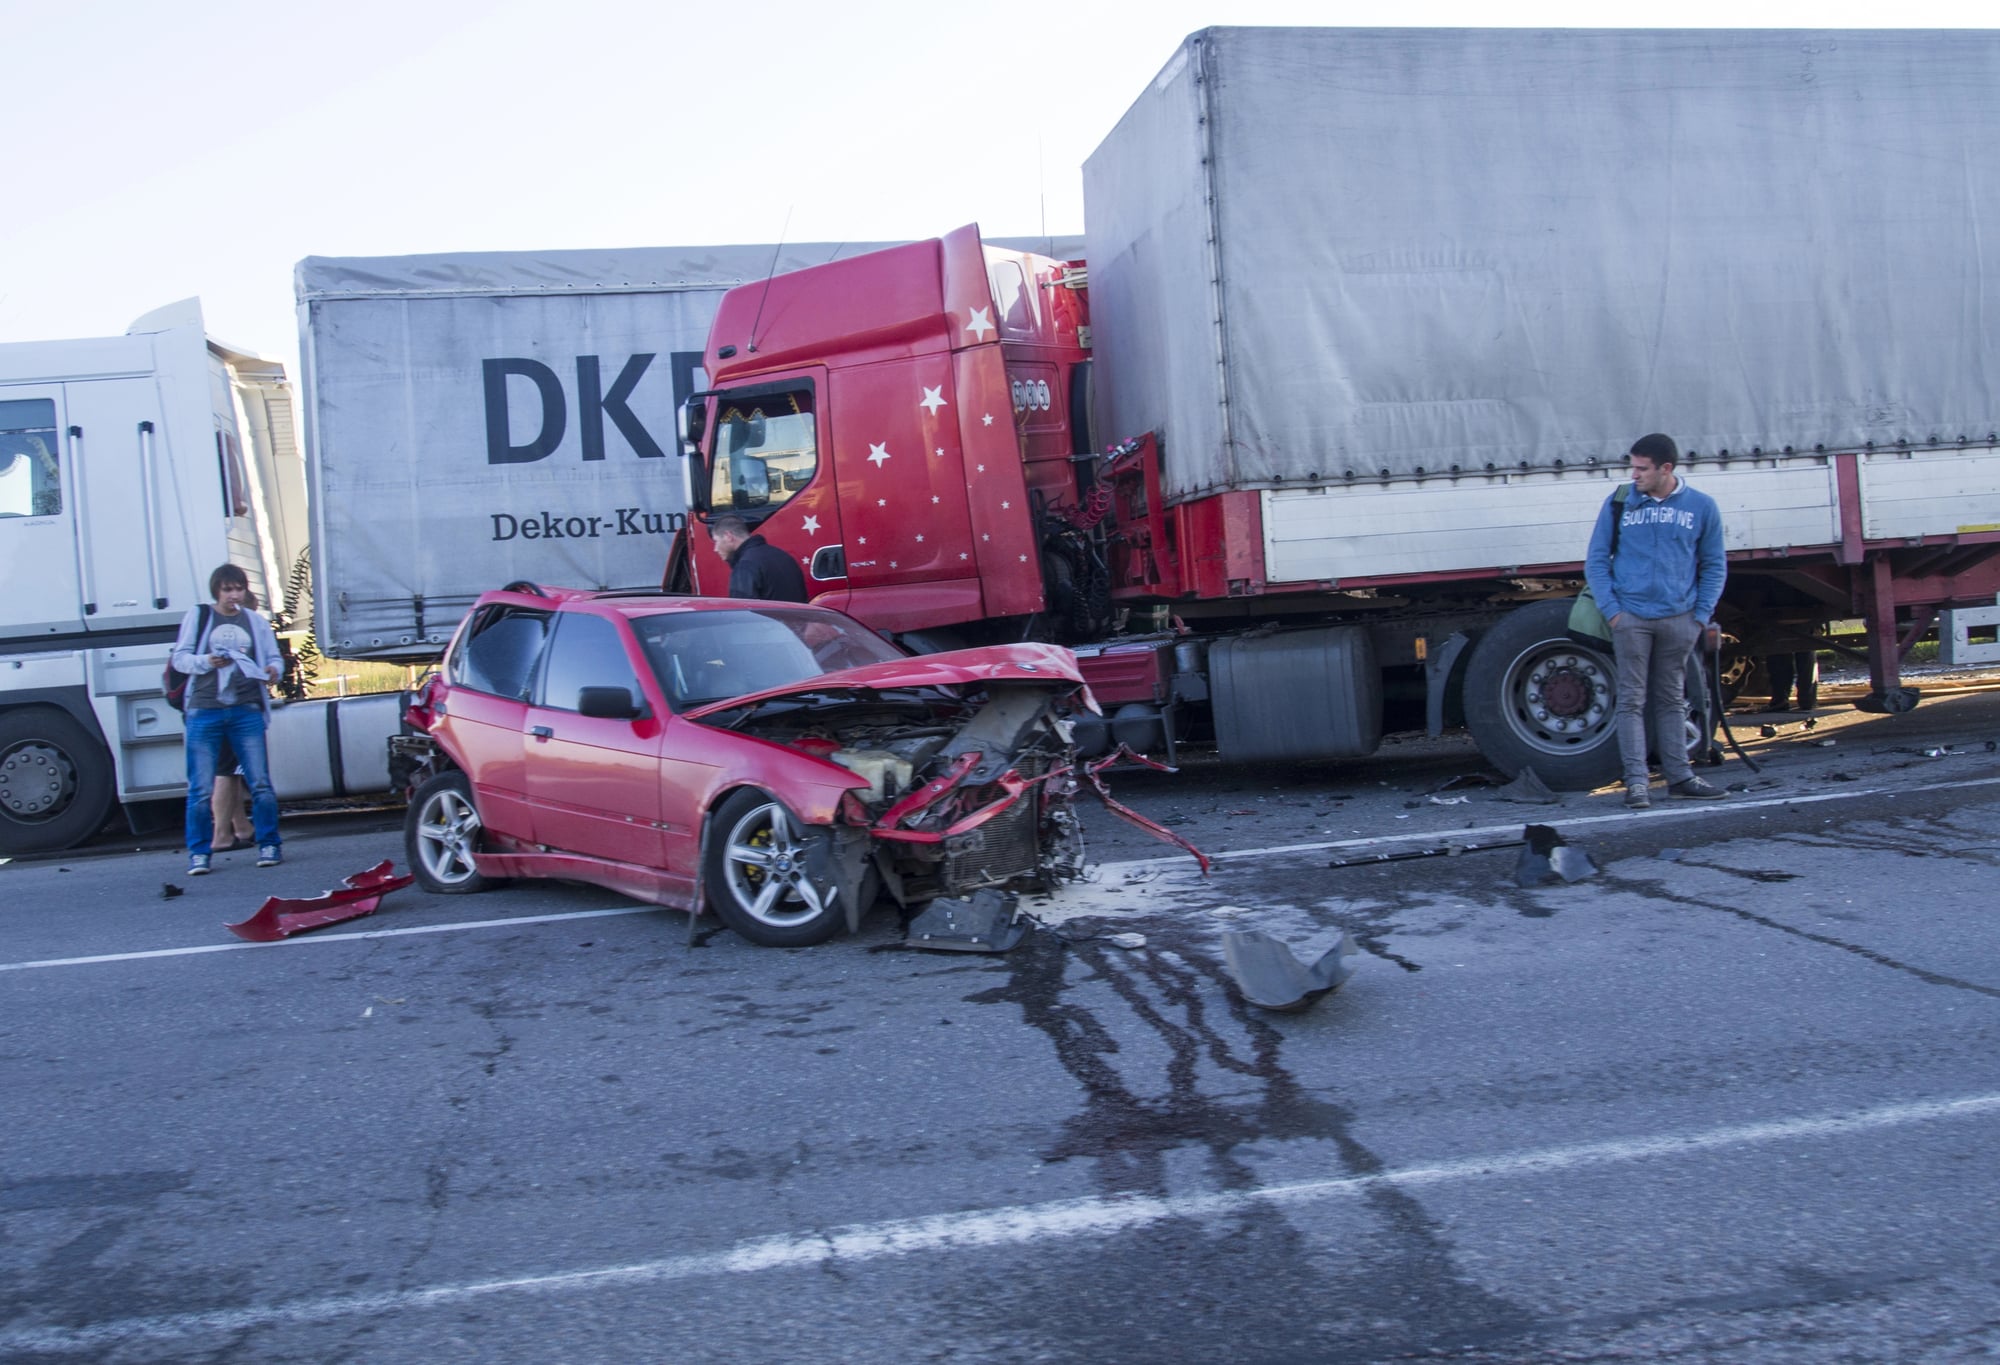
[332,938]
[1447,836]
[986,1228]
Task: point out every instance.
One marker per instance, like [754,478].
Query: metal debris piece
[1412,854]
[1545,857]
[987,921]
[1768,731]
[1271,977]
[1823,743]
[1528,789]
[1127,940]
[358,895]
[1468,780]
[1449,800]
[168,891]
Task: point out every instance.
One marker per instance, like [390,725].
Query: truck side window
[30,475]
[235,476]
[765,450]
[587,652]
[499,653]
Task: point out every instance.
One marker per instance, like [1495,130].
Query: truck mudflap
[359,895]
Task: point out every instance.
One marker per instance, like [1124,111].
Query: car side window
[588,651]
[499,654]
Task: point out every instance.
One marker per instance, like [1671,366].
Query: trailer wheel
[56,783]
[441,832]
[1533,696]
[756,874]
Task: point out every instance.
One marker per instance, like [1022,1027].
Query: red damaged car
[783,764]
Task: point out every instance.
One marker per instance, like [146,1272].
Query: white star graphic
[934,497]
[981,323]
[881,502]
[1005,505]
[892,564]
[987,420]
[1024,559]
[877,454]
[862,539]
[982,469]
[812,526]
[962,554]
[920,540]
[939,452]
[933,399]
[988,537]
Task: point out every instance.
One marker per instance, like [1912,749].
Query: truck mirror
[749,481]
[693,425]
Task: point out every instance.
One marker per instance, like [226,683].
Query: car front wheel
[441,832]
[757,876]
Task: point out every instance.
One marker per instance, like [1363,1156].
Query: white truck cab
[129,468]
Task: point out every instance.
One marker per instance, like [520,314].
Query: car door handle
[541,732]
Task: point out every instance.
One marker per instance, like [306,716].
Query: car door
[593,781]
[490,674]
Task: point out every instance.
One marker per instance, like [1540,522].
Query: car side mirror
[607,703]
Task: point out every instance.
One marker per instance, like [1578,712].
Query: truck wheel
[1533,696]
[756,875]
[441,832]
[56,783]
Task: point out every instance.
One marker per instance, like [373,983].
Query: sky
[158,151]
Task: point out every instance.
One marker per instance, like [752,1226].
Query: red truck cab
[903,424]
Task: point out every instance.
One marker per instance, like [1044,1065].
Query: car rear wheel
[441,832]
[757,877]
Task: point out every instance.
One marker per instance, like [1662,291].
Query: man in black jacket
[756,567]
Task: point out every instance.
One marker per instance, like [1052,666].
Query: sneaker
[197,864]
[1637,797]
[270,855]
[1696,789]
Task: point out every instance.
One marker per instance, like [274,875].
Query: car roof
[629,601]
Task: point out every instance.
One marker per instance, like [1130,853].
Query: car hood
[995,663]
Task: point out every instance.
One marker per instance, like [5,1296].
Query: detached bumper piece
[1269,975]
[984,922]
[359,895]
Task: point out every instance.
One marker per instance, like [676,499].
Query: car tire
[441,832]
[58,781]
[755,874]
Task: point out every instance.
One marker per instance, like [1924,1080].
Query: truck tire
[756,874]
[441,832]
[1534,697]
[56,782]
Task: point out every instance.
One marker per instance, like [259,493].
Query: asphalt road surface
[1735,1103]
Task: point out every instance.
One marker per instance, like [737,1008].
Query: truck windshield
[704,656]
[765,450]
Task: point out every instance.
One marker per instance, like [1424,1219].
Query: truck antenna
[767,280]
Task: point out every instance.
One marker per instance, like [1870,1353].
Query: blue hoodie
[1670,558]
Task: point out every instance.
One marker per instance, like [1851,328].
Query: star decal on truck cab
[980,324]
[878,454]
[933,399]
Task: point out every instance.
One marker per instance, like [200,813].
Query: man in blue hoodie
[1656,567]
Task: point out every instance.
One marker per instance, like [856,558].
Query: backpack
[1587,625]
[173,682]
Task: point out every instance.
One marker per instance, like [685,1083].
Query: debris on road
[168,891]
[1545,857]
[1450,800]
[987,921]
[1528,789]
[1127,940]
[361,894]
[1270,976]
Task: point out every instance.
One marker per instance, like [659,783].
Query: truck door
[120,472]
[37,530]
[768,465]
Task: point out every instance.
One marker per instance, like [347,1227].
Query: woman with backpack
[229,655]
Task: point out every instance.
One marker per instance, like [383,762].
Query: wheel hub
[1566,693]
[36,781]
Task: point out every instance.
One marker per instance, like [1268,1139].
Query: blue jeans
[244,725]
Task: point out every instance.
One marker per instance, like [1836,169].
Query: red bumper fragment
[281,917]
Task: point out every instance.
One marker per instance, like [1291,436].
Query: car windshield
[705,656]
